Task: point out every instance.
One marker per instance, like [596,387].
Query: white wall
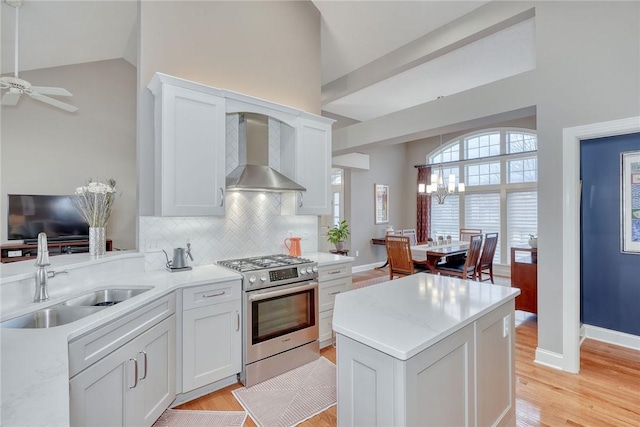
[387,166]
[46,150]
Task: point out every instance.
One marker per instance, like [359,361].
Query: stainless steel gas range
[280,312]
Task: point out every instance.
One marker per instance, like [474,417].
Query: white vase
[97,241]
[533,242]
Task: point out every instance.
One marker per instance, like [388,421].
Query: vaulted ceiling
[359,38]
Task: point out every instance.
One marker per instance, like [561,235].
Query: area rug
[183,418]
[292,397]
[369,282]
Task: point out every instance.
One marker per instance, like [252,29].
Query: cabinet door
[98,395]
[156,351]
[313,167]
[211,344]
[190,149]
[326,328]
[131,386]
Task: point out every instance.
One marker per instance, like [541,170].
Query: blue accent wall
[610,279]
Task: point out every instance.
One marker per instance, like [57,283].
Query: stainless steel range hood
[253,174]
[260,178]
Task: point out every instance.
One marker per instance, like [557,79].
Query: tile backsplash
[252,226]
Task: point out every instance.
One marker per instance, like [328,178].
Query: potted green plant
[338,234]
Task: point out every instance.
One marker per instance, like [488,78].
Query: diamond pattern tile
[252,226]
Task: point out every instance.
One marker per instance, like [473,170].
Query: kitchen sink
[104,297]
[49,317]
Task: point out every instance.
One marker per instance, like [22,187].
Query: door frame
[571,139]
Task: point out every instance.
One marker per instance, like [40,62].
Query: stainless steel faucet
[41,269]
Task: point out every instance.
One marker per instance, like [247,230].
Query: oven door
[279,319]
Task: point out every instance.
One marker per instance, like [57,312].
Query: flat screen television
[57,216]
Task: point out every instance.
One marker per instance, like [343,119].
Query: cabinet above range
[198,142]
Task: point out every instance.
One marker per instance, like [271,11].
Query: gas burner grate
[262,262]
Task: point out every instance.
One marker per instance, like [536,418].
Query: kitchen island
[426,350]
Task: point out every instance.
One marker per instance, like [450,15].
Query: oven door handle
[272,294]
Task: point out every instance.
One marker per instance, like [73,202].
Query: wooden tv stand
[27,251]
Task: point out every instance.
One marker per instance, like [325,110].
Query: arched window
[499,168]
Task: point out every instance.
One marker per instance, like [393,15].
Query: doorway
[572,138]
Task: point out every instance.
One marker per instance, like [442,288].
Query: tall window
[500,170]
[337,190]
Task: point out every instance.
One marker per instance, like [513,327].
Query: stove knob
[252,279]
[309,270]
[315,269]
[263,278]
[303,271]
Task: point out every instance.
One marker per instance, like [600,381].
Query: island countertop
[405,316]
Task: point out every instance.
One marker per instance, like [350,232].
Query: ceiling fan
[15,87]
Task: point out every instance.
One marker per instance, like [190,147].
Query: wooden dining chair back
[466,233]
[485,264]
[464,268]
[411,234]
[399,256]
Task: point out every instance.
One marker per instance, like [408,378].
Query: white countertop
[34,362]
[405,316]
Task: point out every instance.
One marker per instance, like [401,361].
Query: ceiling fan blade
[54,102]
[10,98]
[57,91]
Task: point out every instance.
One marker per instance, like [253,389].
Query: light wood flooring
[605,393]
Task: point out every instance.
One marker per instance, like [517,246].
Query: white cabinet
[211,334]
[313,166]
[189,169]
[332,280]
[465,379]
[131,386]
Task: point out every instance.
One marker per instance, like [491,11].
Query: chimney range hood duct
[257,177]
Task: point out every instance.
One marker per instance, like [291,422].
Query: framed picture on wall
[630,188]
[381,203]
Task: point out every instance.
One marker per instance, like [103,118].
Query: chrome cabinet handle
[332,272]
[221,197]
[238,321]
[135,373]
[145,364]
[213,295]
[300,204]
[335,293]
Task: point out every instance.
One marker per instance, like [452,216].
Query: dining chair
[411,233]
[399,255]
[485,264]
[466,233]
[464,268]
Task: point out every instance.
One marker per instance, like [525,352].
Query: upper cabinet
[198,141]
[189,125]
[313,166]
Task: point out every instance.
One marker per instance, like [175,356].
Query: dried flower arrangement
[95,201]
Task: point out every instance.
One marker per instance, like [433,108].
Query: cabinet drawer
[216,293]
[334,271]
[326,326]
[93,346]
[329,290]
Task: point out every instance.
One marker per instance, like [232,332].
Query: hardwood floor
[605,393]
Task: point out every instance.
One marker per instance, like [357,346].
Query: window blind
[445,218]
[482,210]
[522,218]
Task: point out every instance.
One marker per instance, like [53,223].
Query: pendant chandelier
[438,187]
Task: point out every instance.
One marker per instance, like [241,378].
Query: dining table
[430,255]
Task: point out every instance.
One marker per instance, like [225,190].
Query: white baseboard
[612,337]
[549,359]
[366,267]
